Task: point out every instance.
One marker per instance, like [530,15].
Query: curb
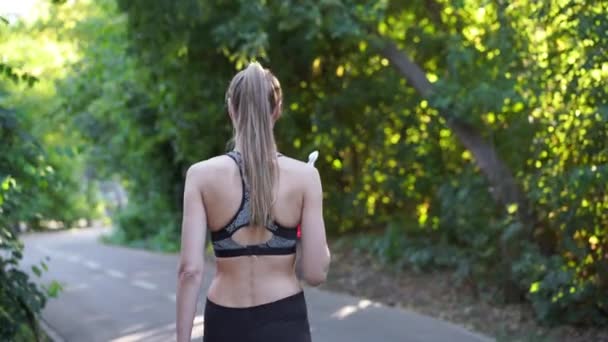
[50,332]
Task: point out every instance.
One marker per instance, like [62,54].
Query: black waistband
[297,297]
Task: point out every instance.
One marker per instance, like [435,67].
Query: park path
[121,294]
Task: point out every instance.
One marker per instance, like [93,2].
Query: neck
[238,146]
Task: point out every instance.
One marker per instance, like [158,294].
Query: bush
[21,300]
[146,224]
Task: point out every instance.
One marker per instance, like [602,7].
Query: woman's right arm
[315,252]
[191,261]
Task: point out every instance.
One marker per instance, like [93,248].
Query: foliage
[158,236]
[21,300]
[38,182]
[147,98]
[43,153]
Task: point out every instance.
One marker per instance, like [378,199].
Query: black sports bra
[282,242]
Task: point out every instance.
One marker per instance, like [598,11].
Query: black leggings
[283,320]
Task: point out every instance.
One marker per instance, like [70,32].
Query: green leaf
[54,288]
[511,232]
[36,270]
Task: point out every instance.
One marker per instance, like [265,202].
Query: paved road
[119,294]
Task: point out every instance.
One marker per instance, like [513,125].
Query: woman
[251,199]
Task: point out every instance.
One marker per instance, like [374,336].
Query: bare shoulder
[209,170]
[300,169]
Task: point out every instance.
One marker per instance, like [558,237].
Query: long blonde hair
[254,99]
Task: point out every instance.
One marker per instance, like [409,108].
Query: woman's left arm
[191,261]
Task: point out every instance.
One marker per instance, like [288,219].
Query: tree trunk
[504,188]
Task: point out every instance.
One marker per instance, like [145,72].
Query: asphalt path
[121,294]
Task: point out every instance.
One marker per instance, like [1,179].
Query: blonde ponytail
[253,98]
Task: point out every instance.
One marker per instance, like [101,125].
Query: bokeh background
[466,137]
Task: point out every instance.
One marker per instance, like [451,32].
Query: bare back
[255,265]
[251,280]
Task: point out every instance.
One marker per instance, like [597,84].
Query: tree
[425,113]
